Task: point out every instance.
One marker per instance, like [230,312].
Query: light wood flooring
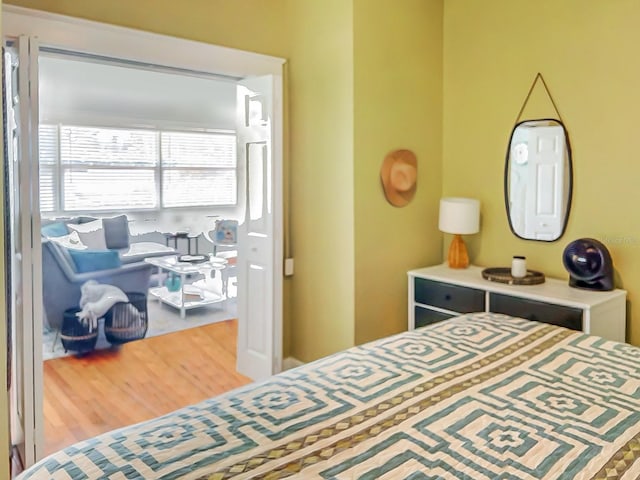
[86,396]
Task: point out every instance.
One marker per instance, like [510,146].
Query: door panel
[546,161]
[257,173]
[13,256]
[259,250]
[25,289]
[257,342]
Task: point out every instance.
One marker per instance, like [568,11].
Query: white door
[260,242]
[22,214]
[546,174]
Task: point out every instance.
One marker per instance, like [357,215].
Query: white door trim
[79,35]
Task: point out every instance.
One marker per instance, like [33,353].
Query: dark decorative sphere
[589,264]
[583,260]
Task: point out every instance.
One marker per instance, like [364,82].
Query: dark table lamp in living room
[459,216]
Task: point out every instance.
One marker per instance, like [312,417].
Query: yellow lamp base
[458,256]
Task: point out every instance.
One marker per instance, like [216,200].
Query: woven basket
[75,335]
[127,321]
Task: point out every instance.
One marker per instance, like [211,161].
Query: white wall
[82,92]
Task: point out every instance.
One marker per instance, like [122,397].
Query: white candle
[518,266]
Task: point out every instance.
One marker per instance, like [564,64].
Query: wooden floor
[86,396]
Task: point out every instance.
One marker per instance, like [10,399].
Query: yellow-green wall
[397,104]
[374,92]
[586,50]
[321,133]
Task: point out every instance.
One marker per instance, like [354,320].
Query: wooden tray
[503,275]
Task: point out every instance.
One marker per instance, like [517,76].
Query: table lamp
[459,216]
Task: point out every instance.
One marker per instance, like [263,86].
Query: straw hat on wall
[398,174]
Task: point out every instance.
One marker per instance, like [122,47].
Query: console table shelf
[439,292]
[176,300]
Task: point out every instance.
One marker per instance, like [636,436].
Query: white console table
[178,298]
[439,292]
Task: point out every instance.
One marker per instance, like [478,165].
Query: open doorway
[152,153]
[259,148]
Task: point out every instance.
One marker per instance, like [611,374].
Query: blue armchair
[62,279]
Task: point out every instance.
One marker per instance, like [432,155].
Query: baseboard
[290,362]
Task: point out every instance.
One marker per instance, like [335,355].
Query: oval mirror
[538,180]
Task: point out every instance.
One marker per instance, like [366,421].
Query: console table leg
[183,278]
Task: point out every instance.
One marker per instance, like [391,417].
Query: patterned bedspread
[482,396]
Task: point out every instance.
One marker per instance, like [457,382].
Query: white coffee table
[207,296]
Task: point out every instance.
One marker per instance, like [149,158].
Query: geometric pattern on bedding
[482,396]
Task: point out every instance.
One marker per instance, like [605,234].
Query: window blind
[198,169]
[108,168]
[183,188]
[103,169]
[98,189]
[86,146]
[209,150]
[48,150]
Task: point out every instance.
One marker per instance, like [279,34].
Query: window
[108,169]
[48,147]
[93,169]
[198,169]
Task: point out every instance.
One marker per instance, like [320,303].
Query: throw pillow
[226,232]
[52,230]
[71,241]
[92,260]
[91,234]
[116,232]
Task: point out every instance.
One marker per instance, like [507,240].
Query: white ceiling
[77,91]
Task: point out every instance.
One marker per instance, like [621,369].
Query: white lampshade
[459,215]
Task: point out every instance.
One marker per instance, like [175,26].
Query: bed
[481,396]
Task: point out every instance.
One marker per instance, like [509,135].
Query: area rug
[163,319]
